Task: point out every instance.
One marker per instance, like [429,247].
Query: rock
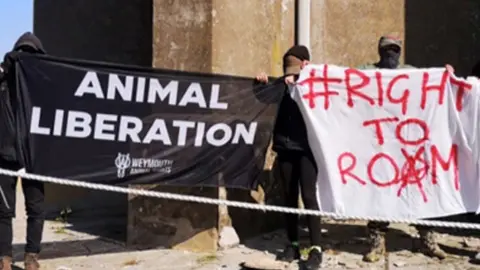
[476,258]
[471,242]
[264,264]
[399,264]
[330,261]
[348,265]
[331,251]
[200,242]
[228,238]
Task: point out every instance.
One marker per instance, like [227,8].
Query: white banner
[392,143]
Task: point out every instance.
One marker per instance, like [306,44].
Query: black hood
[30,40]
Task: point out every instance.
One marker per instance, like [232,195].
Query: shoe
[6,263]
[289,254]
[315,258]
[377,246]
[429,245]
[476,258]
[31,261]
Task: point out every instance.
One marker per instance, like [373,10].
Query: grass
[131,262]
[60,230]
[62,219]
[207,259]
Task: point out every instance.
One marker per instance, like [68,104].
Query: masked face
[26,48]
[389,57]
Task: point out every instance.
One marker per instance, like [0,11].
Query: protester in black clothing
[10,159]
[476,70]
[296,164]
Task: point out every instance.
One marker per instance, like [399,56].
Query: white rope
[253,206]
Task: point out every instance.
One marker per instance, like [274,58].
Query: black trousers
[298,172]
[34,203]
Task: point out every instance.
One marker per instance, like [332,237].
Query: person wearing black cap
[390,49]
[10,158]
[296,167]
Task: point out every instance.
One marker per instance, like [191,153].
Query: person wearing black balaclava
[11,159]
[389,50]
[296,167]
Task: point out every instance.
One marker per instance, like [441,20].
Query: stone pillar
[228,37]
[434,32]
[346,32]
[118,31]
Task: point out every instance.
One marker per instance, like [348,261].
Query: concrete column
[228,37]
[346,32]
[118,31]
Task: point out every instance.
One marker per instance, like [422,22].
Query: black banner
[115,124]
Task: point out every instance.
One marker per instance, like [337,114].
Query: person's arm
[2,72]
[450,69]
[262,77]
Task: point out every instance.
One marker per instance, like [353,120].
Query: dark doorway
[440,32]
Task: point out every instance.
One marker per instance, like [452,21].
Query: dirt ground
[344,242]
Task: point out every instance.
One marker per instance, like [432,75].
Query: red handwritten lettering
[378,76]
[462,88]
[452,160]
[372,163]
[411,175]
[378,128]
[404,98]
[312,95]
[414,170]
[356,82]
[427,88]
[348,170]
[354,90]
[420,123]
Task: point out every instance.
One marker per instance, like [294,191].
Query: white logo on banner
[124,162]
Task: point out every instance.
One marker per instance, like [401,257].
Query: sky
[16,17]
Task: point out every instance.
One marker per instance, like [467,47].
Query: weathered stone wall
[346,32]
[223,36]
[434,32]
[216,36]
[240,38]
[109,30]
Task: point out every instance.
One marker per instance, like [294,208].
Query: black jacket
[7,127]
[15,107]
[290,132]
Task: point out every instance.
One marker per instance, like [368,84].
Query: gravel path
[344,243]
